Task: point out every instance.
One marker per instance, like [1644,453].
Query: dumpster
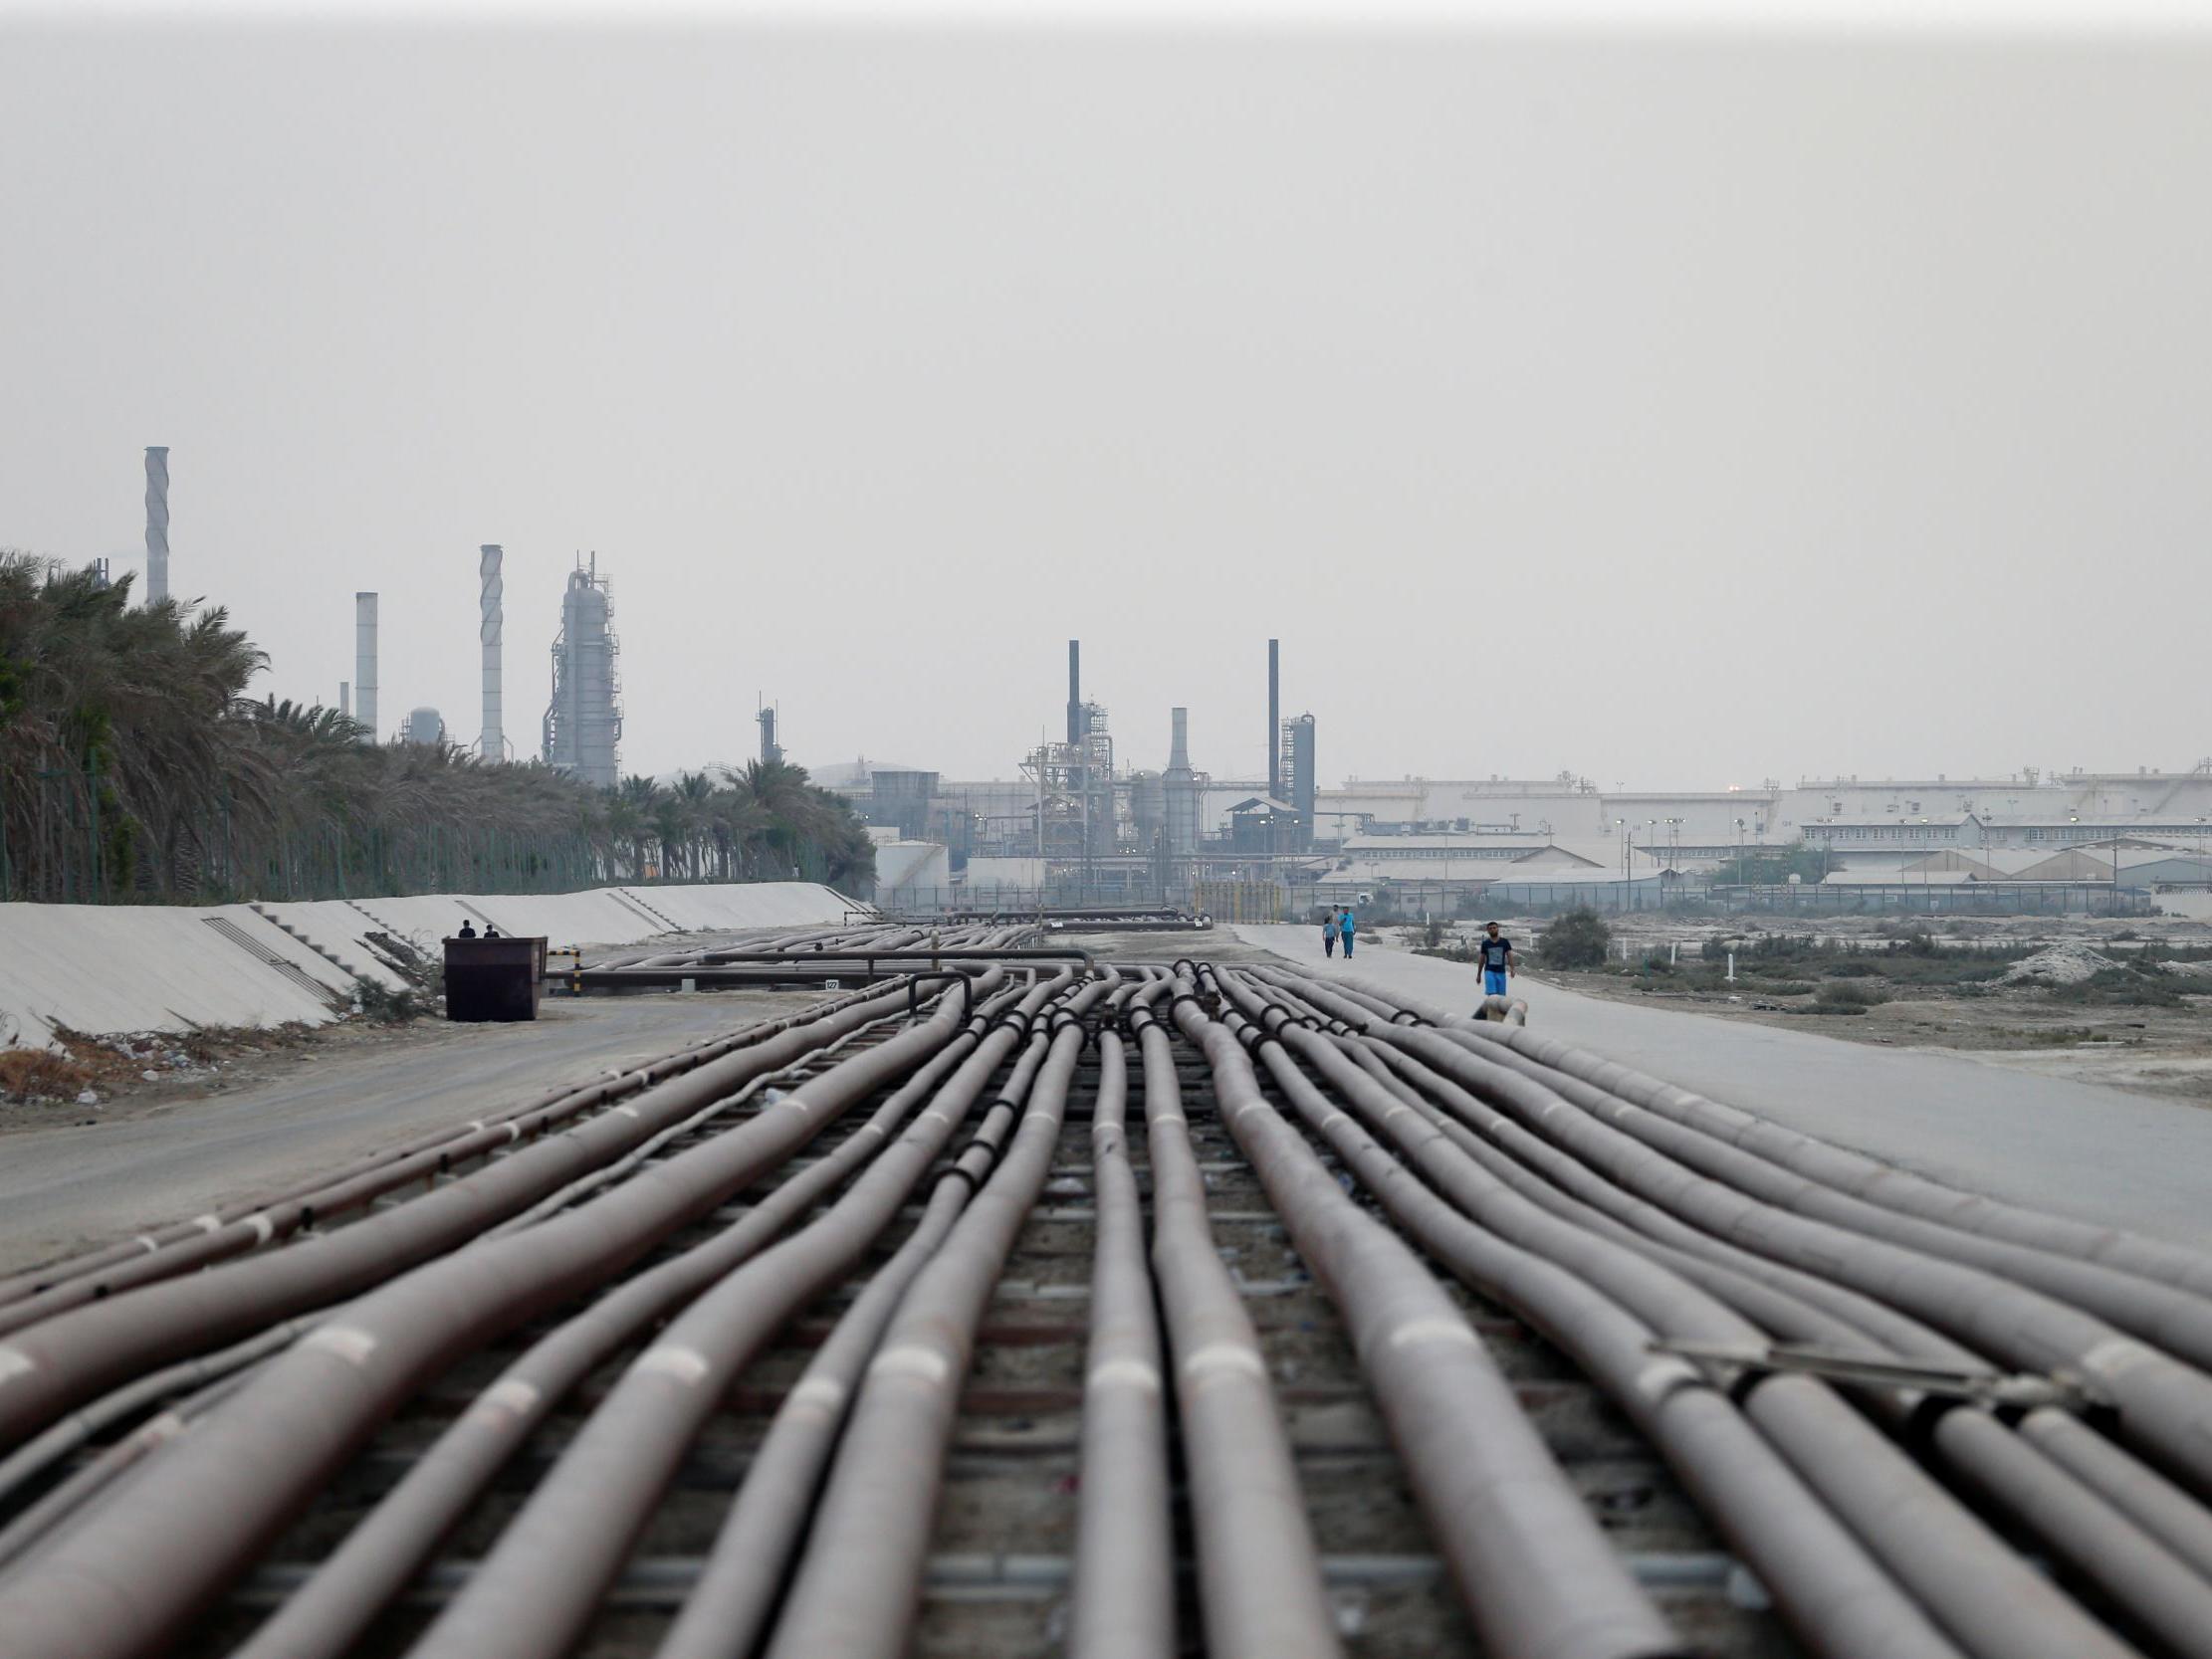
[493,978]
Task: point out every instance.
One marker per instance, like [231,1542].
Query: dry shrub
[29,1072]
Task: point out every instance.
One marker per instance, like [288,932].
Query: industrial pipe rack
[439,1396]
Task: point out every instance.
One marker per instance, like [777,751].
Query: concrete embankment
[100,968]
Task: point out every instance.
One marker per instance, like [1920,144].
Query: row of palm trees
[133,766]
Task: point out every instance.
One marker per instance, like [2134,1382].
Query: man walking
[1496,953]
[1328,934]
[1348,929]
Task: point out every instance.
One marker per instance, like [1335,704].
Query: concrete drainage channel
[1110,1311]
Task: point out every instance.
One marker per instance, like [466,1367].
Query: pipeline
[540,1584]
[1987,1599]
[1534,1569]
[1123,1595]
[1620,1219]
[1600,1306]
[379,1558]
[1883,1183]
[47,1369]
[2163,1407]
[2117,1531]
[82,1424]
[2174,1318]
[255,1461]
[853,1591]
[232,1230]
[729,1609]
[1810,1307]
[1259,1574]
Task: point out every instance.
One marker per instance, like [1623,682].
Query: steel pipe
[271,1447]
[738,1588]
[48,1368]
[1600,1304]
[1124,1593]
[1259,1579]
[1533,1569]
[2176,1319]
[1878,1182]
[2163,1407]
[376,1560]
[853,1591]
[541,1581]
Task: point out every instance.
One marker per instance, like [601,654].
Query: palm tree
[132,765]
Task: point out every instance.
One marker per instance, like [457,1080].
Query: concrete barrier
[102,969]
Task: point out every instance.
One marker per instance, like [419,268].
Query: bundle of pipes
[1562,1175]
[1875,1388]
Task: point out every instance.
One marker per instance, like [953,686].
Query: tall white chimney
[364,663]
[346,698]
[492,746]
[158,521]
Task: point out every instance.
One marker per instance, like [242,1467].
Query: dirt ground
[134,1075]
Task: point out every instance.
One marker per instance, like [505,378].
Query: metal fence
[1948,899]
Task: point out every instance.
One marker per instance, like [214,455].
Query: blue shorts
[1494,982]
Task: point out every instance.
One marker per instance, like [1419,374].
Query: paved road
[2103,1154]
[62,1188]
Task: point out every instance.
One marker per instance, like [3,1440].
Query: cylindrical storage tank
[425,727]
[1148,805]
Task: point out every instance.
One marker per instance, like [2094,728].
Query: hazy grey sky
[1679,408]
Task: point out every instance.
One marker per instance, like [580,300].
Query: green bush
[1578,938]
[2119,987]
[1841,996]
[384,1005]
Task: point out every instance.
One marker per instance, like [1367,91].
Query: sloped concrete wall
[112,967]
[160,968]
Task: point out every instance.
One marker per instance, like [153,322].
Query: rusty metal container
[493,978]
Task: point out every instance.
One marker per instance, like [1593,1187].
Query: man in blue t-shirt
[1348,927]
[1496,953]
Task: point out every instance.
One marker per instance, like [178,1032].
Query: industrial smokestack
[492,746]
[1074,690]
[158,521]
[1179,788]
[345,700]
[364,662]
[770,750]
[1274,720]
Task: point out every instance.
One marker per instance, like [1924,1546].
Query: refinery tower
[583,725]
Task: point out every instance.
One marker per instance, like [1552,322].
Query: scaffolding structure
[1078,813]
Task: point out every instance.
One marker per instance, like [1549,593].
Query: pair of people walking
[1335,925]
